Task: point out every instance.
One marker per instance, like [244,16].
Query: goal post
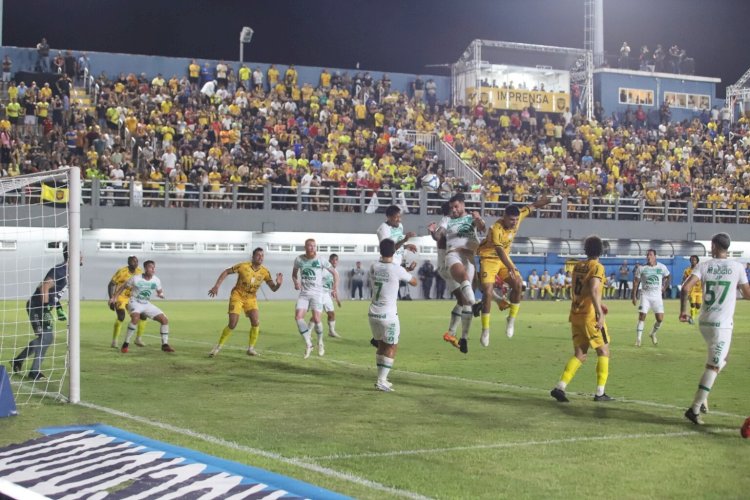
[40,338]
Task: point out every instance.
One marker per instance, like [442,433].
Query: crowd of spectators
[673,60]
[218,128]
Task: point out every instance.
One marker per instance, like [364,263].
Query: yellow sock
[116,330]
[485,321]
[514,310]
[602,371]
[225,333]
[694,312]
[570,370]
[141,327]
[253,337]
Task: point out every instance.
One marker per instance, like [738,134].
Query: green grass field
[480,425]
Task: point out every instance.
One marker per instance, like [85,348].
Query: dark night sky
[388,35]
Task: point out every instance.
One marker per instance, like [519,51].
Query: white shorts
[327,302]
[651,302]
[718,341]
[452,258]
[384,327]
[147,308]
[309,302]
[450,283]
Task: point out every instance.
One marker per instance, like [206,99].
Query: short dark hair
[147,263]
[259,249]
[512,210]
[722,240]
[392,210]
[457,197]
[697,259]
[445,208]
[333,256]
[651,250]
[387,248]
[593,246]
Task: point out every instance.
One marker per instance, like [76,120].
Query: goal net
[39,305]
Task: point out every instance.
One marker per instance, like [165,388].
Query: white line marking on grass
[454,378]
[517,444]
[304,464]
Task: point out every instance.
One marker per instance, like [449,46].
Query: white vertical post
[74,271]
[242,49]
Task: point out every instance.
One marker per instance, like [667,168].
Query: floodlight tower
[246,35]
[593,29]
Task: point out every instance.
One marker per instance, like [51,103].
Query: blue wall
[24,59]
[608,83]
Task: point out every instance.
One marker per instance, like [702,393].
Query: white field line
[517,444]
[452,378]
[217,441]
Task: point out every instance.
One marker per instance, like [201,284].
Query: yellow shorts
[122,303]
[492,269]
[242,303]
[696,297]
[585,333]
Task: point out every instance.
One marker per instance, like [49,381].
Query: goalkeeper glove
[61,316]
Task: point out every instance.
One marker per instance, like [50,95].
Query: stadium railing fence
[331,198]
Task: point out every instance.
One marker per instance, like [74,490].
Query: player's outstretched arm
[478,221]
[745,291]
[540,202]
[118,291]
[215,290]
[275,285]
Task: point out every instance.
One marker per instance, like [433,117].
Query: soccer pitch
[480,425]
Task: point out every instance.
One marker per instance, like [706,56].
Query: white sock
[466,317]
[130,332]
[467,293]
[455,319]
[303,328]
[332,326]
[599,390]
[704,387]
[656,327]
[164,330]
[384,367]
[561,385]
[639,330]
[310,325]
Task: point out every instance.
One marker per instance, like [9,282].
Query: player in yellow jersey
[120,306]
[251,276]
[696,293]
[494,255]
[587,321]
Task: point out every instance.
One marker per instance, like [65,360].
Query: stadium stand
[347,143]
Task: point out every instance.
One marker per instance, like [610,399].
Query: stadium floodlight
[246,35]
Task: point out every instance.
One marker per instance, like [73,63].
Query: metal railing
[454,164]
[334,198]
[427,139]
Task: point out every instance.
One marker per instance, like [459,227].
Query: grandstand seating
[252,148]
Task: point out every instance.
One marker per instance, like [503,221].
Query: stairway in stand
[79,97]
